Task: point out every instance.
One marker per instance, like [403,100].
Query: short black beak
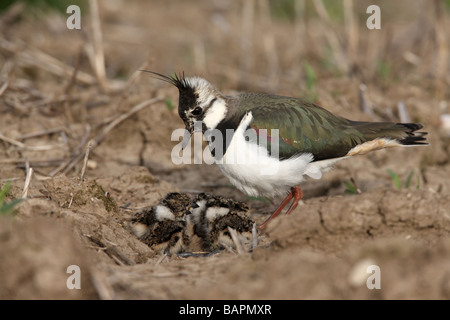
[186,138]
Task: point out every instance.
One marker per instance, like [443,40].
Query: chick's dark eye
[197,111]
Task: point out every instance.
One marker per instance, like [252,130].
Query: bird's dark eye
[197,111]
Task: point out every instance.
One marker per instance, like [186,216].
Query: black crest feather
[188,97]
[177,79]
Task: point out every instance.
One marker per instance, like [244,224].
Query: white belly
[252,170]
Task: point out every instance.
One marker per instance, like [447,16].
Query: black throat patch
[227,128]
[188,98]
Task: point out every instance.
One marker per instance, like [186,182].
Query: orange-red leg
[295,193]
[298,195]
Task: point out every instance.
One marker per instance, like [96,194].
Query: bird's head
[178,204]
[201,106]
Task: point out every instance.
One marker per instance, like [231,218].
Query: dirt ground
[56,103]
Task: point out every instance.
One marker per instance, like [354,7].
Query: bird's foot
[296,193]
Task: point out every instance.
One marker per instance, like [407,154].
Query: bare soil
[320,251]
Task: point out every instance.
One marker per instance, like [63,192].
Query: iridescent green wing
[303,127]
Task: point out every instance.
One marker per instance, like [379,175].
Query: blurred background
[257,44]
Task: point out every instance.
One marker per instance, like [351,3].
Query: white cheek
[215,114]
[163,213]
[139,229]
[216,212]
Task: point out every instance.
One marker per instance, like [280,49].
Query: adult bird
[267,144]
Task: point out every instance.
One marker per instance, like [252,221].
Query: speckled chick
[162,227]
[210,218]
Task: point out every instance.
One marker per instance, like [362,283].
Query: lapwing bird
[210,218]
[162,227]
[308,139]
